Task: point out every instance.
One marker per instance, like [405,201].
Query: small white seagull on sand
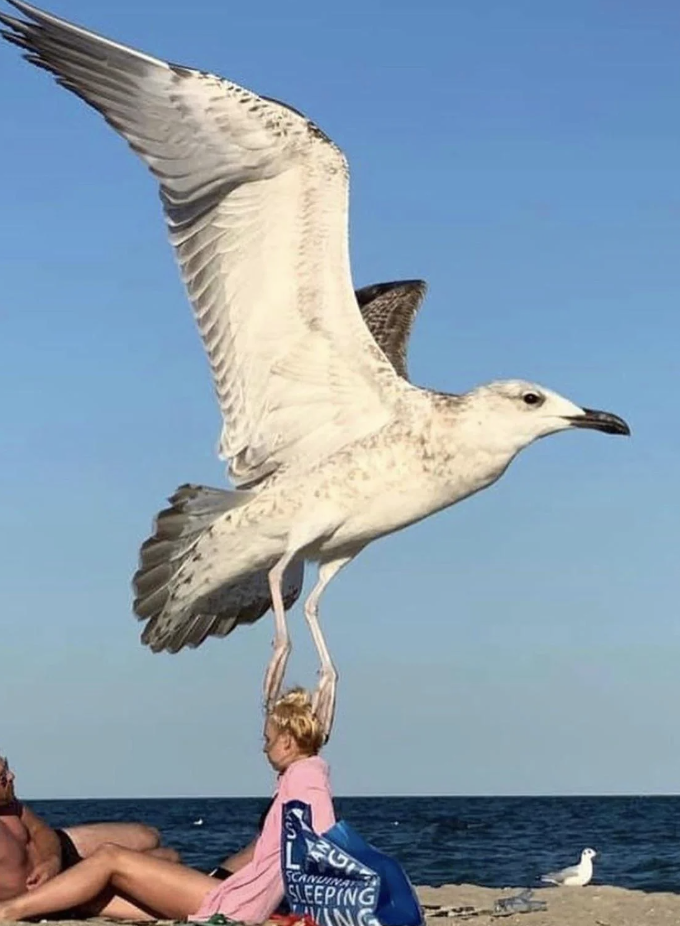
[575,876]
[329,445]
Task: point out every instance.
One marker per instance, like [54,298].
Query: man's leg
[170,855]
[116,908]
[88,837]
[158,887]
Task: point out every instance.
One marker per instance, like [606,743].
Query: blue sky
[523,158]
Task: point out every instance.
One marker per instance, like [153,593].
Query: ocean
[493,841]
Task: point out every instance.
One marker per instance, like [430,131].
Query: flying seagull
[576,875]
[328,445]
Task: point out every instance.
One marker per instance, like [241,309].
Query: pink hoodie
[253,893]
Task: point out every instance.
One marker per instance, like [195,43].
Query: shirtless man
[31,852]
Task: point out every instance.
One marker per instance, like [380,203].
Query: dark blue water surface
[495,841]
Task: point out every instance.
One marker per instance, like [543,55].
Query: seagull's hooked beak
[599,421]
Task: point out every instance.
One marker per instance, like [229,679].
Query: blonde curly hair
[292,713]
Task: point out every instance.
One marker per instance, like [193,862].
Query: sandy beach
[595,905]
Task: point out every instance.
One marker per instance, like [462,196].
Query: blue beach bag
[339,879]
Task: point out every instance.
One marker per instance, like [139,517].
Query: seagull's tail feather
[193,509]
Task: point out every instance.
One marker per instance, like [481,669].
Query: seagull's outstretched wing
[256,202]
[389,310]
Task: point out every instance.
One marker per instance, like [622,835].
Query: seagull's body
[576,875]
[329,445]
[388,480]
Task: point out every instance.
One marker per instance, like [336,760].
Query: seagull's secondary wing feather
[389,310]
[255,198]
[558,876]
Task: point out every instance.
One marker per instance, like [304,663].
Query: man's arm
[44,849]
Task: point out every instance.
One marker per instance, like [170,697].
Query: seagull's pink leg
[324,696]
[277,664]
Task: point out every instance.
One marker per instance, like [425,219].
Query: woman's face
[280,748]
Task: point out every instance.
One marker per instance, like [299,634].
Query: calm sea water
[498,841]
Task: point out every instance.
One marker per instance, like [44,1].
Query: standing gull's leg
[324,696]
[277,664]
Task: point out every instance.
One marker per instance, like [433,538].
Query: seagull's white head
[516,413]
[587,854]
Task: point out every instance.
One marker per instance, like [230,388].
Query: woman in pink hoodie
[124,884]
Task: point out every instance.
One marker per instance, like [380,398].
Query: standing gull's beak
[599,421]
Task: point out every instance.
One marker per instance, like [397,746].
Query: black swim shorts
[69,858]
[69,853]
[220,873]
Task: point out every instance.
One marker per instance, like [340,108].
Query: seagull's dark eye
[532,398]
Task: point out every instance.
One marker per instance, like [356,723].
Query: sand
[594,905]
